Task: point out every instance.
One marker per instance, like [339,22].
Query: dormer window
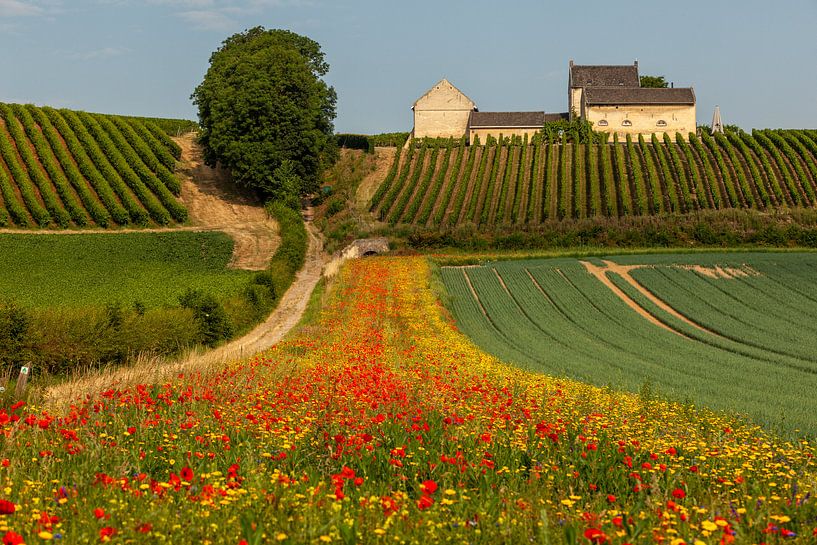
[603,123]
[661,123]
[627,123]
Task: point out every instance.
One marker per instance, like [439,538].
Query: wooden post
[22,381]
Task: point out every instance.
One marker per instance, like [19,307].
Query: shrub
[209,314]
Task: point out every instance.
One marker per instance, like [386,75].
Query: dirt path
[273,329]
[215,204]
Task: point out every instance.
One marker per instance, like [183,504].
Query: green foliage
[680,172]
[578,131]
[654,179]
[622,178]
[743,183]
[15,346]
[212,321]
[263,102]
[789,182]
[653,81]
[386,185]
[462,190]
[711,177]
[367,142]
[638,178]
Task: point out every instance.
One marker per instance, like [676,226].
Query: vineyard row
[66,168]
[445,184]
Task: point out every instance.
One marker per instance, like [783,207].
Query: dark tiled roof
[557,117]
[506,119]
[639,95]
[604,75]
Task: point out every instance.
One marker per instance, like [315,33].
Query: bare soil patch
[215,203]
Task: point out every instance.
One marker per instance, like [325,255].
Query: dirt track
[216,204]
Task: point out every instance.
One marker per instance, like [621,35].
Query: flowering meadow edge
[380,423]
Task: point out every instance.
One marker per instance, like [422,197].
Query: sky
[757,60]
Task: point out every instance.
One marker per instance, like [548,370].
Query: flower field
[381,423]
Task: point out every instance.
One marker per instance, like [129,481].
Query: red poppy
[6,507]
[187,474]
[99,513]
[595,535]
[106,533]
[13,538]
[425,502]
[679,494]
[611,498]
[429,487]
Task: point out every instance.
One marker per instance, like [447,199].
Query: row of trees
[445,183]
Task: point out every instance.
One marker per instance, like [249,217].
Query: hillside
[443,185]
[63,168]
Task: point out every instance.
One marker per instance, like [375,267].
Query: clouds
[223,15]
[98,54]
[18,8]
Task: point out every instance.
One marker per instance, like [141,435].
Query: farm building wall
[442,112]
[643,119]
[575,102]
[504,131]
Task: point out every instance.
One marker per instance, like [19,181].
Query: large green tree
[266,113]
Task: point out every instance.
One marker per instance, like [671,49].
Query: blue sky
[756,59]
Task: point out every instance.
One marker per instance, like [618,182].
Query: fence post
[22,381]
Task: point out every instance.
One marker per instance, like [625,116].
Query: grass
[68,271]
[757,357]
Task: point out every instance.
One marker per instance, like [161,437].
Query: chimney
[636,63]
[571,63]
[672,85]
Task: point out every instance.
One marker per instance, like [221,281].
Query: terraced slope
[528,183]
[729,331]
[62,168]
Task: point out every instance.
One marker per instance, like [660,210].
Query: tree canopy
[265,112]
[653,81]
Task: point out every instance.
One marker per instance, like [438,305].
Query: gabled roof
[493,120]
[638,95]
[589,75]
[442,83]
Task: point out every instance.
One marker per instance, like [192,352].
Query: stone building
[611,97]
[443,111]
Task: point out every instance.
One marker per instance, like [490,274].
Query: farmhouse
[611,97]
[608,96]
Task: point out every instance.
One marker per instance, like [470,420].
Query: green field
[97,269]
[737,333]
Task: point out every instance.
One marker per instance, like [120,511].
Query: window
[603,123]
[627,123]
[661,123]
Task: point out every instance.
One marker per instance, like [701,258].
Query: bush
[15,325]
[209,314]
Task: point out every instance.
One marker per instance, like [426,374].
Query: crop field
[92,269]
[728,331]
[380,423]
[442,185]
[63,168]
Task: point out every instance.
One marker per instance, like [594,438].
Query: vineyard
[443,184]
[729,331]
[63,168]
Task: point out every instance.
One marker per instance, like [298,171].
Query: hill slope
[524,184]
[68,168]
